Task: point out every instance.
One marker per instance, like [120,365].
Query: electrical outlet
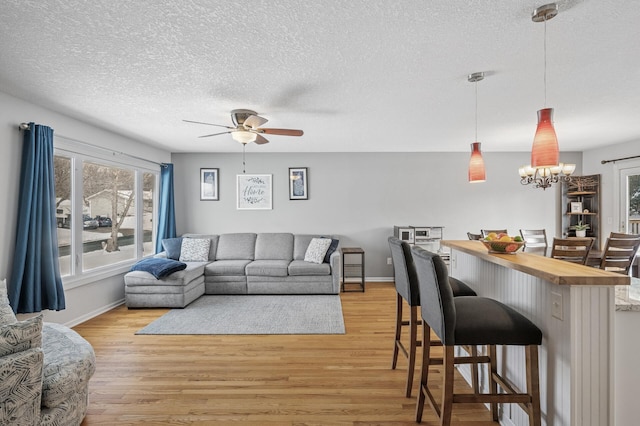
[389,262]
[556,305]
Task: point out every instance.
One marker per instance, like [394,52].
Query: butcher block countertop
[555,271]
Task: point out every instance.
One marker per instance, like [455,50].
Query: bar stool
[471,321]
[406,283]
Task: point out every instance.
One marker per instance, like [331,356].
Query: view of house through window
[630,197]
[62,168]
[117,208]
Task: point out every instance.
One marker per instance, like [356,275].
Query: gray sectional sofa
[241,263]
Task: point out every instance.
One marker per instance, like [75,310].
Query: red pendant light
[545,151]
[476,164]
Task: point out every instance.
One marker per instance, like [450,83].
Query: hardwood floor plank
[295,380]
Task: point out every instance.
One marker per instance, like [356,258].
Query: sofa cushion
[302,268]
[214,242]
[195,250]
[190,273]
[317,249]
[172,247]
[227,267]
[268,268]
[236,247]
[21,336]
[6,313]
[159,267]
[274,246]
[69,363]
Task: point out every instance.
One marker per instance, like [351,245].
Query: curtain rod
[25,126]
[619,159]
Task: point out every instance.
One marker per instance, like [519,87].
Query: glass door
[630,200]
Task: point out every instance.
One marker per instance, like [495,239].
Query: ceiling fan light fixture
[243,136]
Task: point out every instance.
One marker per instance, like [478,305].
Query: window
[105,213]
[629,184]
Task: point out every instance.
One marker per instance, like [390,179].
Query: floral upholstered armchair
[44,370]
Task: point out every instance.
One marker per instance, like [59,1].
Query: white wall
[84,301]
[361,196]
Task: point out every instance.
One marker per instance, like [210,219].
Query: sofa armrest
[334,262]
[21,387]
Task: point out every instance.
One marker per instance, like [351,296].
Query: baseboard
[93,314]
[379,279]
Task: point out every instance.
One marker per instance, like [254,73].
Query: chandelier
[544,177]
[545,168]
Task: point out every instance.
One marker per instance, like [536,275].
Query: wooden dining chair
[473,236]
[486,232]
[574,250]
[535,240]
[619,253]
[623,235]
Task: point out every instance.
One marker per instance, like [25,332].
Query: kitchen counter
[574,306]
[556,271]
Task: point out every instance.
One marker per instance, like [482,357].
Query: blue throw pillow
[172,247]
[331,249]
[159,267]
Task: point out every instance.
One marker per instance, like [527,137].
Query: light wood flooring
[258,380]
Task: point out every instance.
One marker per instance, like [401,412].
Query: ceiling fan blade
[255,121]
[261,139]
[208,124]
[284,132]
[213,134]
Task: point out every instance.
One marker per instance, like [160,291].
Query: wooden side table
[351,269]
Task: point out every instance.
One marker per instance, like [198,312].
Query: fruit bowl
[503,247]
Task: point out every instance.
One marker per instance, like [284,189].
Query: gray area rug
[247,314]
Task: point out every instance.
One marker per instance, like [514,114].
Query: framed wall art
[298,183]
[254,192]
[209,185]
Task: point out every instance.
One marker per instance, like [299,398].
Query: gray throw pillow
[172,247]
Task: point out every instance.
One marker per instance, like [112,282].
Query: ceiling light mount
[544,13]
[475,77]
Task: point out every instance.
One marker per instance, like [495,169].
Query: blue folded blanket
[159,267]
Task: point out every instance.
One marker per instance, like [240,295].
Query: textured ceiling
[357,75]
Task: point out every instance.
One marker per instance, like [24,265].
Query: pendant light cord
[545,62]
[476,86]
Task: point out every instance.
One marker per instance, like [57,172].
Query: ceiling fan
[247,128]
